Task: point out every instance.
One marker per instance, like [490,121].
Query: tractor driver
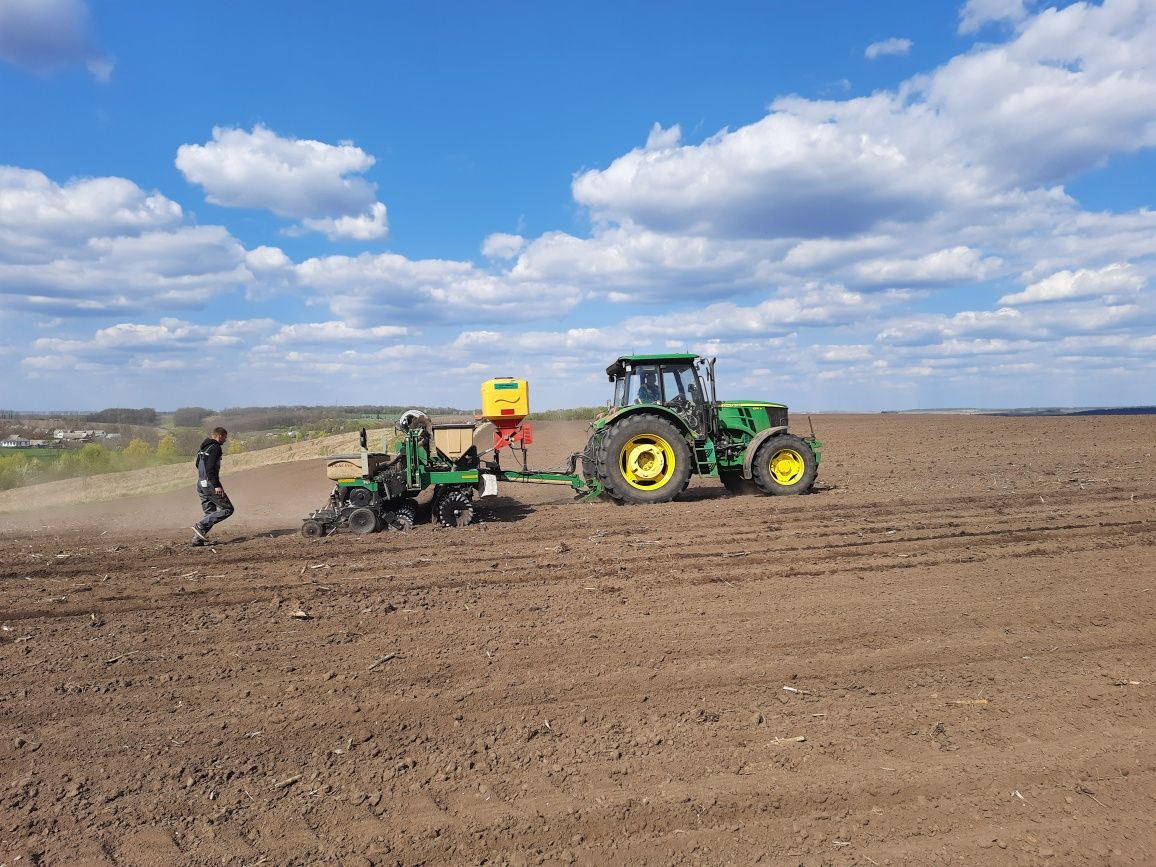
[648,393]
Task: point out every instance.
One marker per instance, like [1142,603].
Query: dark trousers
[215,506]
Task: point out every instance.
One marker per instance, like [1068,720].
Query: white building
[77,435]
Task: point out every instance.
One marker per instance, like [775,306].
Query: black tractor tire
[400,515]
[363,521]
[312,529]
[454,508]
[736,484]
[644,459]
[785,465]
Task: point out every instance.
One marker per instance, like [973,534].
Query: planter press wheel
[363,521]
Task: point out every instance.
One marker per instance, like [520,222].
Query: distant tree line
[328,418]
[123,416]
[51,414]
[191,416]
[579,413]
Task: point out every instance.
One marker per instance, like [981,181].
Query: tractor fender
[753,446]
[653,409]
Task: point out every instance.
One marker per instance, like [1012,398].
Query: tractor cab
[671,381]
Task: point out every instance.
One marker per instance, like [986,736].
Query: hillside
[152,480]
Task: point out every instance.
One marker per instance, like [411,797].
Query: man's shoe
[199,534]
[197,543]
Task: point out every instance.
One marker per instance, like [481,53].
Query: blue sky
[854,206]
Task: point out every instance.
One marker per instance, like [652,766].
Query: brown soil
[944,656]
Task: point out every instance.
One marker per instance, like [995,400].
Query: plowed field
[946,655]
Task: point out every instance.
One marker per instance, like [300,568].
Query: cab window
[672,384]
[621,391]
[643,385]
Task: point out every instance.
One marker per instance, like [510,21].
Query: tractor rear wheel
[785,464]
[363,521]
[644,459]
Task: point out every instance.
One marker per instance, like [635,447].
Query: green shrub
[137,453]
[167,447]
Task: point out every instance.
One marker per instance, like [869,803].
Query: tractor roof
[619,366]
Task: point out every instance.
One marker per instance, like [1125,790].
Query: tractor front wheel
[644,459]
[785,464]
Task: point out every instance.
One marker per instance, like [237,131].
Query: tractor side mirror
[364,439]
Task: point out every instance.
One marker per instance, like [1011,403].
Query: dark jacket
[209,464]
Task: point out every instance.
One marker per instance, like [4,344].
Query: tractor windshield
[682,392]
[680,386]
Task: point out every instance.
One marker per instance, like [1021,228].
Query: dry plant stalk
[378,662]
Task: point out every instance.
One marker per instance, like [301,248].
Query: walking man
[214,501]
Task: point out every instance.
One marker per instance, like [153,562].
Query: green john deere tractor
[666,423]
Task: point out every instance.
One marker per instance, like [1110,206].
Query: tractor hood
[750,403]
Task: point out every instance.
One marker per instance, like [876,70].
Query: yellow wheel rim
[787,467]
[647,462]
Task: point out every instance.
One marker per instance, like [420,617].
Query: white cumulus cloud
[97,246]
[1112,280]
[317,183]
[662,139]
[1072,88]
[368,226]
[40,219]
[337,333]
[943,267]
[375,289]
[167,336]
[976,13]
[896,45]
[501,245]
